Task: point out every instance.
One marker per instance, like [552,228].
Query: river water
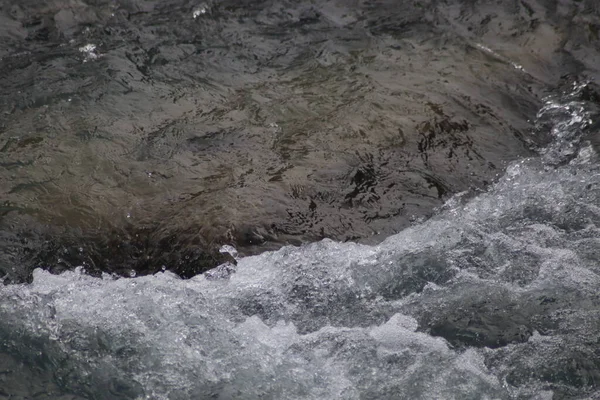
[142,135]
[454,142]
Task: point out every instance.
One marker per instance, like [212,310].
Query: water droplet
[202,9]
[230,250]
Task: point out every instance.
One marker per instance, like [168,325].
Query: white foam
[90,52]
[338,320]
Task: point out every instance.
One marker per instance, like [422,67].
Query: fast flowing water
[493,297]
[496,297]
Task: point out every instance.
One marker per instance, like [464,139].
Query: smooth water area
[495,297]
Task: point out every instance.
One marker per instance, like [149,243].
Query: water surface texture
[142,135]
[424,175]
[495,297]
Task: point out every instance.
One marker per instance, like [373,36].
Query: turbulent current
[456,141]
[495,297]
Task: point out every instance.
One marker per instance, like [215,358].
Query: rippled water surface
[142,135]
[446,150]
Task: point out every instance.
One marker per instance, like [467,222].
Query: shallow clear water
[495,297]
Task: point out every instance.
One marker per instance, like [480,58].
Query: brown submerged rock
[259,124]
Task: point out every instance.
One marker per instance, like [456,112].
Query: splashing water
[494,298]
[90,52]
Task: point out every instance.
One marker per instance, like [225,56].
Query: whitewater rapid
[496,297]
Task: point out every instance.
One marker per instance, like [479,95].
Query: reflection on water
[143,135]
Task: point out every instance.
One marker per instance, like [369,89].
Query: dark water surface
[143,135]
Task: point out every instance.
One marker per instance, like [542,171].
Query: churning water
[137,134]
[495,297]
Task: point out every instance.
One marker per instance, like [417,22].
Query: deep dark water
[260,123]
